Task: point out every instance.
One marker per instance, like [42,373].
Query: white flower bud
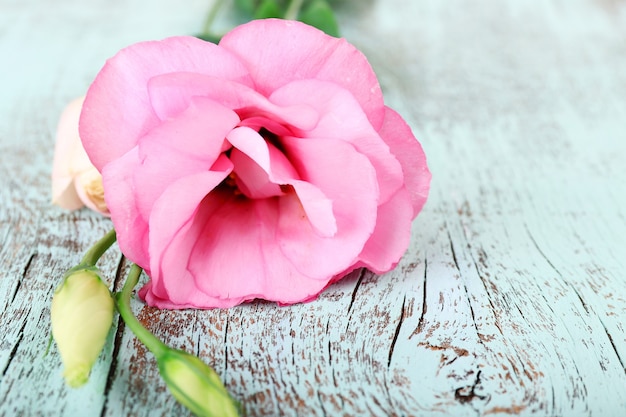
[196,385]
[81,314]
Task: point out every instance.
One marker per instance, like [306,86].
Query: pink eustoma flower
[267,166]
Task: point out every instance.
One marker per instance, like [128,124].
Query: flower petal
[237,249]
[346,178]
[341,117]
[317,207]
[224,255]
[173,236]
[170,94]
[299,51]
[251,179]
[64,194]
[69,158]
[241,258]
[409,152]
[189,144]
[117,110]
[120,189]
[391,236]
[274,169]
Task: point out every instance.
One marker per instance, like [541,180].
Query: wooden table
[511,299]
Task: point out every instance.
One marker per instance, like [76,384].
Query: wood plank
[511,297]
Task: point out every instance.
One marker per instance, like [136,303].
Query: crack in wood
[456,262]
[613,345]
[569,284]
[194,331]
[389,397]
[15,347]
[117,341]
[226,347]
[420,322]
[466,394]
[118,273]
[580,298]
[356,288]
[492,306]
[484,280]
[322,408]
[467,293]
[397,332]
[543,255]
[18,284]
[330,354]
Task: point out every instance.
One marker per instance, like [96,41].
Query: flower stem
[96,251]
[210,18]
[293,10]
[123,306]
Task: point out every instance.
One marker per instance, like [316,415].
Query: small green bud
[196,385]
[81,314]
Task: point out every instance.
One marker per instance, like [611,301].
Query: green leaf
[267,9]
[246,6]
[319,14]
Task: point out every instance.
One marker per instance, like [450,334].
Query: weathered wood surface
[512,297]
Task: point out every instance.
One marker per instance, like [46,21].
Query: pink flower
[75,181]
[265,167]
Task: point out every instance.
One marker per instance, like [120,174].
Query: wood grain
[511,299]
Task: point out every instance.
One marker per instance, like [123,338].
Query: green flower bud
[195,385]
[81,314]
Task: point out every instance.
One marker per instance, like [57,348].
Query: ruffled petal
[120,196]
[341,117]
[238,258]
[69,158]
[317,207]
[391,236]
[298,51]
[236,249]
[118,111]
[223,255]
[170,94]
[251,179]
[348,180]
[261,169]
[173,234]
[64,193]
[189,144]
[397,134]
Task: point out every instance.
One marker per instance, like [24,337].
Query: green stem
[293,10]
[206,28]
[96,251]
[123,306]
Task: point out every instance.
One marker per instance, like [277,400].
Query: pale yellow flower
[75,181]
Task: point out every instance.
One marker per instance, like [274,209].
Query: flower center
[95,191]
[230,183]
[260,167]
[90,183]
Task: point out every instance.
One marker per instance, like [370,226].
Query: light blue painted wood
[512,296]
